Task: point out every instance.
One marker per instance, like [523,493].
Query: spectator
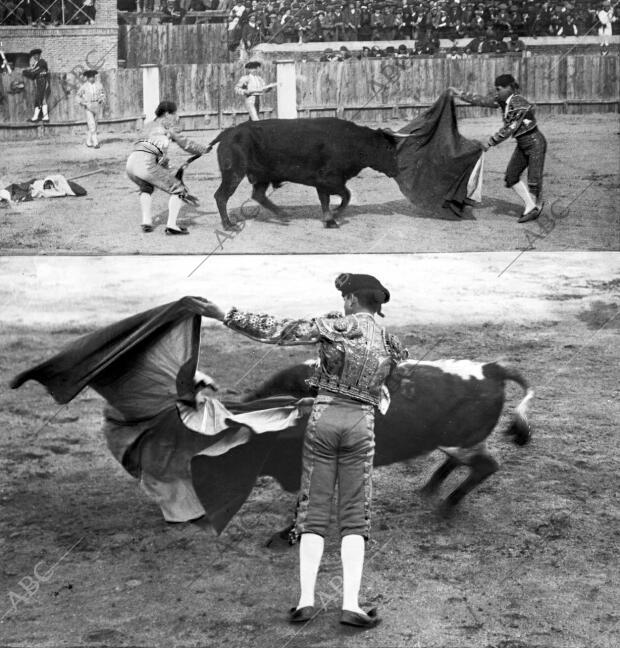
[376,25]
[515,44]
[250,33]
[569,27]
[172,13]
[605,17]
[364,32]
[389,24]
[351,17]
[428,44]
[329,26]
[89,10]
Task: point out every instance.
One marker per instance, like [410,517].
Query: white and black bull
[323,153]
[448,405]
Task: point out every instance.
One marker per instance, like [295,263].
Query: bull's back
[294,150]
[437,407]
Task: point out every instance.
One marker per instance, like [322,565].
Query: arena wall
[69,47]
[370,90]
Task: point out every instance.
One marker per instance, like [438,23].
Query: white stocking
[174,207]
[352,556]
[146,201]
[524,193]
[310,554]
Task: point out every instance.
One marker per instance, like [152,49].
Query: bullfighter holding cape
[194,455]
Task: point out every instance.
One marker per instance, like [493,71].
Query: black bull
[448,405]
[323,153]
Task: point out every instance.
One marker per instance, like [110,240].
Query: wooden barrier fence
[376,89]
[364,91]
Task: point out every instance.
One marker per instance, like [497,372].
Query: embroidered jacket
[160,133]
[91,94]
[249,84]
[39,69]
[356,355]
[517,115]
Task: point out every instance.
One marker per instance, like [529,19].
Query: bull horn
[389,131]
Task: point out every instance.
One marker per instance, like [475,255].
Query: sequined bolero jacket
[356,355]
[160,133]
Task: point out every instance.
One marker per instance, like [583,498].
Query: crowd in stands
[255,21]
[280,21]
[45,13]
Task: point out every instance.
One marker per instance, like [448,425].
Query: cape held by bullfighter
[196,456]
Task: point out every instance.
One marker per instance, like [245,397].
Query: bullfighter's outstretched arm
[176,135]
[474,99]
[268,329]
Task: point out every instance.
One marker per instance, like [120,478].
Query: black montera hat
[348,284]
[34,52]
[252,65]
[90,73]
[505,80]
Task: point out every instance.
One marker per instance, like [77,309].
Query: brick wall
[70,47]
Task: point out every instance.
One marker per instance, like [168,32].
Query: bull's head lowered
[383,156]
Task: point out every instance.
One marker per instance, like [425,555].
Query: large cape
[195,457]
[438,167]
[191,459]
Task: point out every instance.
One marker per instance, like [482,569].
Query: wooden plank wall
[366,90]
[123,89]
[374,89]
[173,44]
[205,94]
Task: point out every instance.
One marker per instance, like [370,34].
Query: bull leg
[228,186]
[439,475]
[328,218]
[481,467]
[258,194]
[345,194]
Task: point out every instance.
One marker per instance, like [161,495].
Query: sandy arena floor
[581,188]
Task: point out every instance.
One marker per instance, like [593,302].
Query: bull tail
[213,143]
[519,429]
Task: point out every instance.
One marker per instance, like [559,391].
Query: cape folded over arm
[436,162]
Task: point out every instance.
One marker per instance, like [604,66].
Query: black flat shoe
[331,224]
[533,214]
[147,228]
[301,615]
[172,231]
[368,620]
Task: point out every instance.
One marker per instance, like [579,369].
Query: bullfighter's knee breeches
[91,121]
[338,448]
[530,155]
[142,168]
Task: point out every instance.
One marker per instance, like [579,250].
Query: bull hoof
[428,491]
[331,224]
[452,500]
[278,541]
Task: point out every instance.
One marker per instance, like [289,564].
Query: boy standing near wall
[91,95]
